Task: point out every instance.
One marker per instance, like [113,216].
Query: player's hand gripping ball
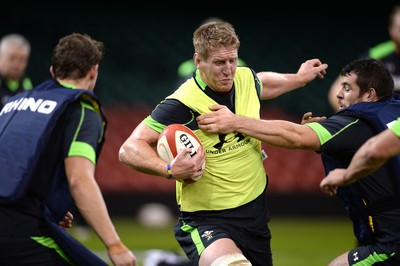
[174,138]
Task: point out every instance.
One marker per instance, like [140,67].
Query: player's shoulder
[83,112]
[334,123]
[341,119]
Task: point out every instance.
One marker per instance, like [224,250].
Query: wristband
[169,172]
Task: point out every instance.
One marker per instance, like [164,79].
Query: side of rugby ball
[175,137]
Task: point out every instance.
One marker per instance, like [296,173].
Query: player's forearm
[88,198]
[276,84]
[372,155]
[361,166]
[90,203]
[274,132]
[142,157]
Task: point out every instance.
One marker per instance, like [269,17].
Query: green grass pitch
[297,241]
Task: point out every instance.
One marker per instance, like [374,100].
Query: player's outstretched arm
[276,84]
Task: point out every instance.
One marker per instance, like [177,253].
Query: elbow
[304,142]
[122,155]
[74,184]
[126,157]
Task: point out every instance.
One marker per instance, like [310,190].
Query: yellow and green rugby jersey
[234,173]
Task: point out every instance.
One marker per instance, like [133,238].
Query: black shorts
[375,254]
[246,225]
[21,251]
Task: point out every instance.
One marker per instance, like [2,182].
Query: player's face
[13,61]
[349,93]
[219,69]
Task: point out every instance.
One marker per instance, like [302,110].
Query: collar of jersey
[69,86]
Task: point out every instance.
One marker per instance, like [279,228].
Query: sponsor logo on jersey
[30,104]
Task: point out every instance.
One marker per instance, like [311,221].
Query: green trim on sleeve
[151,123]
[82,149]
[323,134]
[79,148]
[395,128]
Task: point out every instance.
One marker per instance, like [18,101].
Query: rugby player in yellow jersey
[223,216]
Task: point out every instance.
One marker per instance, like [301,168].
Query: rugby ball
[175,137]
